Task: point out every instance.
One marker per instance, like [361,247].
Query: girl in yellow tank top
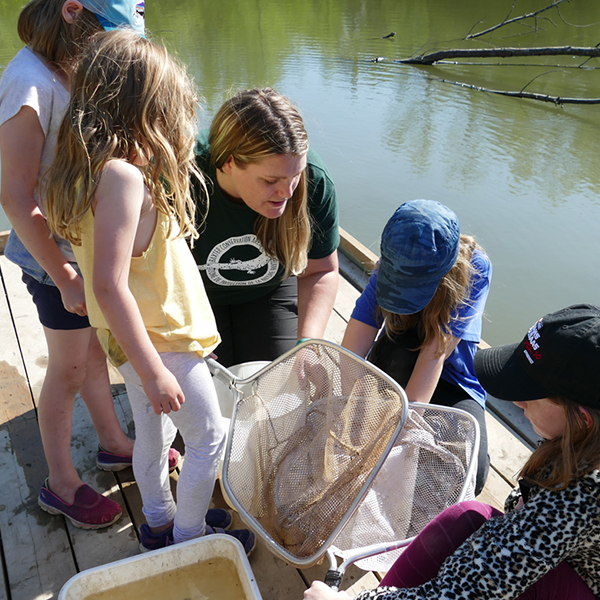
[119,192]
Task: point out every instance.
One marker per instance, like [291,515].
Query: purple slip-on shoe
[90,510]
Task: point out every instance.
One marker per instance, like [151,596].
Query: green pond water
[523,176]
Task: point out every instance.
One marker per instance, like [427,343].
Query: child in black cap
[547,545]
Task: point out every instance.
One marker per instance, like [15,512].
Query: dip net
[305,444]
[431,467]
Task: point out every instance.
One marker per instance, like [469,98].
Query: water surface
[523,176]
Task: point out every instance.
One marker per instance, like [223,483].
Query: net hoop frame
[234,384]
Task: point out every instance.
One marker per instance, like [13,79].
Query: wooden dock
[39,552]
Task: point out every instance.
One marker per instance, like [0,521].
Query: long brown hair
[130,98]
[42,27]
[433,322]
[557,462]
[251,126]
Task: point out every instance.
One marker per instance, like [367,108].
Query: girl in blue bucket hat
[427,296]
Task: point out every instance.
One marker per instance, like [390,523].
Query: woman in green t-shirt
[267,247]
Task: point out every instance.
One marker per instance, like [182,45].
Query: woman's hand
[319,591]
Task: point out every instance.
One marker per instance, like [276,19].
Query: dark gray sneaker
[245,536]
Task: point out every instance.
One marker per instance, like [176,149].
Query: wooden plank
[495,491]
[27,325]
[35,546]
[3,584]
[274,577]
[132,496]
[317,572]
[346,298]
[355,274]
[91,547]
[513,418]
[97,547]
[356,251]
[3,240]
[507,453]
[367,582]
[335,329]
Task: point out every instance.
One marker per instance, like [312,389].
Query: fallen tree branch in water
[461,63]
[432,57]
[558,100]
[508,21]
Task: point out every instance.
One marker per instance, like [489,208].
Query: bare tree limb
[573,24]
[429,59]
[558,100]
[507,21]
[462,63]
[588,60]
[537,77]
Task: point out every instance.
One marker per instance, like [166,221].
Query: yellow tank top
[168,289]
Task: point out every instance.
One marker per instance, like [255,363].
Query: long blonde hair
[42,27]
[433,322]
[251,126]
[557,462]
[130,98]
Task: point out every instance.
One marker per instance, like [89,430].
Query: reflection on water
[522,176]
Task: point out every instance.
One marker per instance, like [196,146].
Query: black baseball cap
[559,356]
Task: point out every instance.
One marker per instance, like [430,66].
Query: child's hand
[164,392]
[73,296]
[319,591]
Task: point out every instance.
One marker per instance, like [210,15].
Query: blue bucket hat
[419,245]
[113,14]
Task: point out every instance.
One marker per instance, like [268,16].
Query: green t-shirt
[233,263]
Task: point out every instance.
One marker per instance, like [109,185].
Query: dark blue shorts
[50,307]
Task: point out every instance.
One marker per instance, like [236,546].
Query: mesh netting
[305,442]
[424,473]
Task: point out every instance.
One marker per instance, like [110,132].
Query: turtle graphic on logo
[225,267]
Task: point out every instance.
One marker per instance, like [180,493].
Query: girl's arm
[359,337]
[119,202]
[363,327]
[427,371]
[21,144]
[317,288]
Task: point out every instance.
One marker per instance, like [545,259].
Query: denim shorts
[51,310]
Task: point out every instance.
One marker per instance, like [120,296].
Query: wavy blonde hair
[42,27]
[557,462]
[129,98]
[251,126]
[433,322]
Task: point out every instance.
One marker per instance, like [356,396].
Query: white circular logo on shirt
[260,269]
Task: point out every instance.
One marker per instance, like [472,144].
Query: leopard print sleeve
[510,553]
[512,500]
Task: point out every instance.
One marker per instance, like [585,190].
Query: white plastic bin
[226,395]
[227,399]
[214,567]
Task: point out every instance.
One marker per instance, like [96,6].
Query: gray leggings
[200,423]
